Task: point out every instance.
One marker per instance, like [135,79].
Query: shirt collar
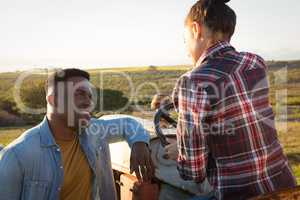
[211,51]
[47,139]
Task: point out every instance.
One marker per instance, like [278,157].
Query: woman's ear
[196,30]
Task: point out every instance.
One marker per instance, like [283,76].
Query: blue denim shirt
[31,166]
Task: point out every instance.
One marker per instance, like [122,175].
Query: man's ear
[196,30]
[51,100]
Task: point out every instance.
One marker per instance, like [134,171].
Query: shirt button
[57,149]
[61,167]
[59,189]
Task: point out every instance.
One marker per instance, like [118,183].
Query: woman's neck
[208,42]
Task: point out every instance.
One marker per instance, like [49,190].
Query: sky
[114,33]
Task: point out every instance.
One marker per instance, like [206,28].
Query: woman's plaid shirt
[226,130]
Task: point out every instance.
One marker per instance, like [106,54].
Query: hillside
[132,89]
[281,64]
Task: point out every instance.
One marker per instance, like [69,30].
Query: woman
[226,130]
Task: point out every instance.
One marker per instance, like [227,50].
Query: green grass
[8,134]
[289,135]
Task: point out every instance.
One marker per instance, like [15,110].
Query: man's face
[76,99]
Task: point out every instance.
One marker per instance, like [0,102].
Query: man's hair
[63,75]
[215,15]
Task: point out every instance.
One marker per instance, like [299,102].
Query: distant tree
[152,68]
[33,94]
[110,100]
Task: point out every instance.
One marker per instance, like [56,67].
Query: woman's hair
[215,15]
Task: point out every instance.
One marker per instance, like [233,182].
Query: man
[66,156]
[226,130]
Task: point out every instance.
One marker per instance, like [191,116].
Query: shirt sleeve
[119,128]
[193,108]
[10,175]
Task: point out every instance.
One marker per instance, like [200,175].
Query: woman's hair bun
[216,15]
[214,2]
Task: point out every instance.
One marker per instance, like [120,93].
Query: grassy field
[8,134]
[147,81]
[289,137]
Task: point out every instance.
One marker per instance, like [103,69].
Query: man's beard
[80,122]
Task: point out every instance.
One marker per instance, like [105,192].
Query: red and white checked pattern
[226,129]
